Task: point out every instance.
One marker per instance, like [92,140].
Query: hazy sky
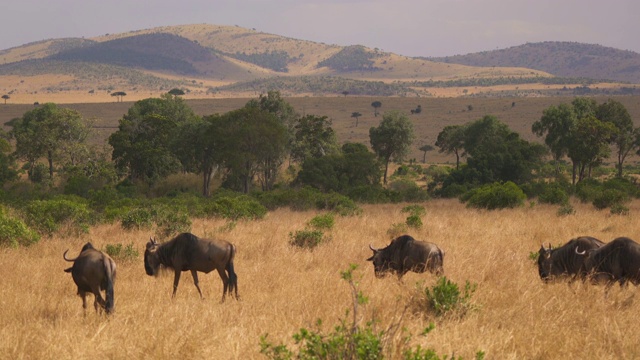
[406,27]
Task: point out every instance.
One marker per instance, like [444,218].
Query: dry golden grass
[283,289]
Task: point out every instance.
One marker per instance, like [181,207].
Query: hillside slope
[566,59]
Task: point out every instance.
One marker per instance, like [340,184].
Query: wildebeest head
[545,262]
[381,261]
[151,260]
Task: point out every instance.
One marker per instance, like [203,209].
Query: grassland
[282,289]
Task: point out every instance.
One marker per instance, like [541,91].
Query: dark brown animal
[406,254]
[618,260]
[187,252]
[563,261]
[94,271]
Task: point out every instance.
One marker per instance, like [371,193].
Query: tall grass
[283,288]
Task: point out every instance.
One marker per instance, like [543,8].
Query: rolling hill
[229,61]
[566,59]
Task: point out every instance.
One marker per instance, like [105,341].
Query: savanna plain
[514,315]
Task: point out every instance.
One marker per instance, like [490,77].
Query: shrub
[609,198]
[47,216]
[171,221]
[117,252]
[446,298]
[236,208]
[566,209]
[553,194]
[414,210]
[338,204]
[14,232]
[307,239]
[495,196]
[325,221]
[619,209]
[137,219]
[414,221]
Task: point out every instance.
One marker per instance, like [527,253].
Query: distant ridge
[566,59]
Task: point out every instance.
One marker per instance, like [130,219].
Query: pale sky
[405,27]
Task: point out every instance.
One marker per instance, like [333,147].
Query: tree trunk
[50,159]
[386,168]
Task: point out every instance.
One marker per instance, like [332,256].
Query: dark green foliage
[14,232]
[322,222]
[446,298]
[351,58]
[553,194]
[137,219]
[307,239]
[405,190]
[276,60]
[609,198]
[414,221]
[495,196]
[414,210]
[38,173]
[392,139]
[235,208]
[50,216]
[619,209]
[566,209]
[122,254]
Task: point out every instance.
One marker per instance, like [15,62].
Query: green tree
[451,141]
[142,145]
[5,97]
[557,125]
[198,146]
[376,105]
[392,138]
[625,136]
[51,132]
[313,137]
[589,145]
[119,95]
[351,167]
[356,115]
[176,92]
[255,144]
[8,170]
[425,149]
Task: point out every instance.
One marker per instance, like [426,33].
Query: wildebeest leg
[83,295]
[225,282]
[98,300]
[195,281]
[176,280]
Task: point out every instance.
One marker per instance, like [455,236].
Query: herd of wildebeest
[585,258]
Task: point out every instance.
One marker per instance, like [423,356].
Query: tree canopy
[392,138]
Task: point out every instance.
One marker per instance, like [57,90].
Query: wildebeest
[564,261]
[187,252]
[94,271]
[406,254]
[618,260]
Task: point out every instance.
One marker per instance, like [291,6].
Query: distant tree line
[351,58]
[276,60]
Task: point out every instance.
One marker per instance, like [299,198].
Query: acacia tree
[425,149]
[5,97]
[589,145]
[176,92]
[51,132]
[119,95]
[356,115]
[451,140]
[376,105]
[625,137]
[392,138]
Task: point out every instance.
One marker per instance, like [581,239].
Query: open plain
[282,288]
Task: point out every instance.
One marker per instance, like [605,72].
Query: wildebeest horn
[580,252]
[65,256]
[372,249]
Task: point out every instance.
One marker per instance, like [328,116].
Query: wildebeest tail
[233,277]
[110,271]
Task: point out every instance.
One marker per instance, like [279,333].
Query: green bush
[137,219]
[619,209]
[566,209]
[338,204]
[236,208]
[307,239]
[48,216]
[171,221]
[14,232]
[553,194]
[495,196]
[322,222]
[414,221]
[446,298]
[120,253]
[414,210]
[609,198]
[405,190]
